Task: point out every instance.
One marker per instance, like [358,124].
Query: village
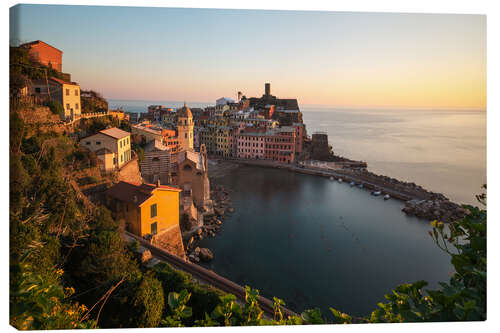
[160,159]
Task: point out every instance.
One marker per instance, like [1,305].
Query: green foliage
[139,151]
[203,298]
[55,107]
[37,302]
[178,309]
[313,316]
[92,101]
[58,245]
[149,301]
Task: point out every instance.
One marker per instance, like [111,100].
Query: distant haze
[324,58]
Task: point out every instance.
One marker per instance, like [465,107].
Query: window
[153,210]
[76,106]
[76,92]
[121,142]
[121,157]
[98,142]
[67,92]
[185,135]
[67,106]
[114,160]
[154,228]
[87,143]
[37,90]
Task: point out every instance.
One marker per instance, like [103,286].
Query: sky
[338,59]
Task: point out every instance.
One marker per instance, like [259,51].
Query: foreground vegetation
[70,268]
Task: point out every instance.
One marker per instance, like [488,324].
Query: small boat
[331,178]
[352,184]
[340,180]
[360,185]
[376,193]
[387,197]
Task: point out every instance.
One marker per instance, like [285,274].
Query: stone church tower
[185,127]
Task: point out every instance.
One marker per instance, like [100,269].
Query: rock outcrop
[441,210]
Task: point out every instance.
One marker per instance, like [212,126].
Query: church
[186,168]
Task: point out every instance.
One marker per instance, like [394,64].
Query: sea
[314,242]
[442,150]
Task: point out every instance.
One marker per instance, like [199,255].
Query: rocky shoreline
[212,222]
[419,202]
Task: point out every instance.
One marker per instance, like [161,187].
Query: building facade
[115,141]
[45,54]
[66,93]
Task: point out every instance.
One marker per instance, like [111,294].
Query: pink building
[251,143]
[280,145]
[300,133]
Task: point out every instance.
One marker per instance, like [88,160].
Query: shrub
[55,107]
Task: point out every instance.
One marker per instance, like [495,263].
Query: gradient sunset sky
[330,58]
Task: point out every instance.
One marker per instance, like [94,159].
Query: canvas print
[180,167]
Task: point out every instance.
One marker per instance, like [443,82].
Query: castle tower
[185,128]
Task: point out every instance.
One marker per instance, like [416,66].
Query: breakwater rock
[441,210]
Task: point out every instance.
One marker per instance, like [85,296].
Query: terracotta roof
[128,192]
[192,156]
[115,133]
[38,42]
[62,81]
[135,194]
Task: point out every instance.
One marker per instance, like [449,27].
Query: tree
[148,301]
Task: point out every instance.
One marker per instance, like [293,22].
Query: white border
[421,6]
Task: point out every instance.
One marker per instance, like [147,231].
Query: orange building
[148,210]
[45,54]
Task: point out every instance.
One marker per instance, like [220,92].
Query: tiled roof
[115,133]
[134,193]
[38,42]
[55,79]
[192,156]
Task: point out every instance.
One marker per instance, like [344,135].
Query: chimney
[268,89]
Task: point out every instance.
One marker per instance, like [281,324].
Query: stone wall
[171,241]
[42,117]
[130,173]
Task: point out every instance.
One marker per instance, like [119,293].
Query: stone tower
[185,127]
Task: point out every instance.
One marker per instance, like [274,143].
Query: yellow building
[66,93]
[222,140]
[185,127]
[148,210]
[116,142]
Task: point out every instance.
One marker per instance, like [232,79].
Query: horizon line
[322,106]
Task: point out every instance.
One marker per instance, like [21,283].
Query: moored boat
[352,184]
[376,193]
[387,197]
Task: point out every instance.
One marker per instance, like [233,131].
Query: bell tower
[185,128]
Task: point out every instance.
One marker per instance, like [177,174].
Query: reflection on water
[318,243]
[442,150]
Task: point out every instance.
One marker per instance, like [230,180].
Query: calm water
[444,151]
[318,243]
